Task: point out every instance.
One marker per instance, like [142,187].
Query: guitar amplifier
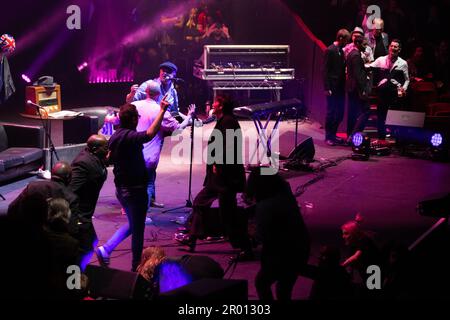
[49,98]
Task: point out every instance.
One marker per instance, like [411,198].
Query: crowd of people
[49,226]
[367,68]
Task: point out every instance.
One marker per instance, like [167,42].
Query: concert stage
[385,190]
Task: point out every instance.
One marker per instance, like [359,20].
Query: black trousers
[232,220]
[358,113]
[335,113]
[387,98]
[285,281]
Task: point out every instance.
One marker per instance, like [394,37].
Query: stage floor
[385,190]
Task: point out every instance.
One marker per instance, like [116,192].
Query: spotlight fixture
[438,150]
[26,78]
[436,140]
[82,66]
[360,146]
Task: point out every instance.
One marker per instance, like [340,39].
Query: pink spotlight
[82,66]
[26,78]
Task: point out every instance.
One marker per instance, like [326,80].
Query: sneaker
[156,205]
[102,256]
[331,143]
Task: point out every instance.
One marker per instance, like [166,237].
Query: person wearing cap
[334,86]
[167,72]
[148,109]
[367,54]
[377,39]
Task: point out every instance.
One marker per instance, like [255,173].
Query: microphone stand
[50,144]
[189,198]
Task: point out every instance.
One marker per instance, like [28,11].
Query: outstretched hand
[191,109]
[165,102]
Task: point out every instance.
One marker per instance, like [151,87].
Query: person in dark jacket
[88,176]
[358,89]
[130,178]
[331,280]
[63,250]
[225,177]
[282,233]
[334,85]
[57,187]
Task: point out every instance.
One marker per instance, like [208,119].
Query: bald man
[57,187]
[88,176]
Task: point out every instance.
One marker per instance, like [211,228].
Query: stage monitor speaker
[116,284]
[303,151]
[209,290]
[79,129]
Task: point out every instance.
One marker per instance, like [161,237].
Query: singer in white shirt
[392,83]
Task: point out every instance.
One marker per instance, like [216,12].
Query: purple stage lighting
[357,139]
[436,140]
[26,78]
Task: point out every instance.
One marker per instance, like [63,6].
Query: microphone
[173,78]
[29,102]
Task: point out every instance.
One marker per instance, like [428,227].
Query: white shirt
[148,110]
[385,63]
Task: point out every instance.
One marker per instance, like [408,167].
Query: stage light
[361,146]
[82,66]
[357,139]
[439,150]
[436,140]
[26,78]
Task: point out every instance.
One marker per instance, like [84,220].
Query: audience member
[88,176]
[282,233]
[331,280]
[64,250]
[364,250]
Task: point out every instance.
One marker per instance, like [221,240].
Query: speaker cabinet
[304,150]
[117,284]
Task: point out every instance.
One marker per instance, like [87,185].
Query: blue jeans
[134,200]
[151,185]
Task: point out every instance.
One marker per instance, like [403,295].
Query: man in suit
[88,176]
[225,177]
[334,85]
[358,89]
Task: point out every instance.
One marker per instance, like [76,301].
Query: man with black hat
[167,74]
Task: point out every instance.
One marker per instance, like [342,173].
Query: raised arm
[154,127]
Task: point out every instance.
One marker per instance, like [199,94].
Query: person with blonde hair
[152,257]
[365,251]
